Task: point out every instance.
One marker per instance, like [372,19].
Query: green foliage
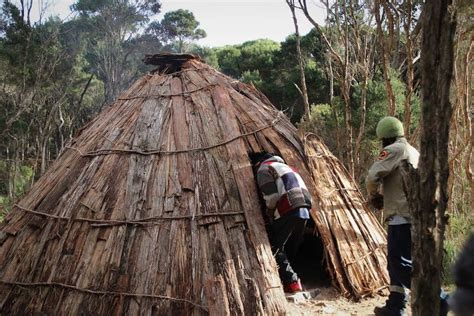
[43,99]
[249,56]
[252,77]
[258,55]
[3,178]
[178,27]
[5,206]
[377,103]
[273,68]
[23,178]
[137,10]
[38,63]
[110,32]
[320,121]
[208,54]
[228,58]
[251,62]
[459,228]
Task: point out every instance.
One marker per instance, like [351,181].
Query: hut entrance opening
[306,257]
[308,260]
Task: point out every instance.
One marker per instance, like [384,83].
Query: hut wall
[153,209]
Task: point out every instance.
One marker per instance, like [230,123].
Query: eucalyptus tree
[38,67]
[114,33]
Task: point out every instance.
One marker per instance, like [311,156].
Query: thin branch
[99,292]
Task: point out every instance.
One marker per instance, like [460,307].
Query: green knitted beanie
[389,127]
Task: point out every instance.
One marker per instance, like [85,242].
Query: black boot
[394,306]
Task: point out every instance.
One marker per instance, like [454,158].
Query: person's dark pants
[400,265]
[286,235]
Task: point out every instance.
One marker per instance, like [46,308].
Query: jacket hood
[275,159]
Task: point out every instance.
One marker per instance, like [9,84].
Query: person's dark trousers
[399,264]
[286,235]
[400,267]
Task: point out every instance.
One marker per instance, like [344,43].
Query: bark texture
[153,209]
[301,63]
[428,187]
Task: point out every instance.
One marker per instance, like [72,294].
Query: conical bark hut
[153,208]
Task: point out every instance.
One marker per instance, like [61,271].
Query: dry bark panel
[355,243]
[153,208]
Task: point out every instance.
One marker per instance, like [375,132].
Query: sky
[229,22]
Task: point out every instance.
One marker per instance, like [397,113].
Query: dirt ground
[329,302]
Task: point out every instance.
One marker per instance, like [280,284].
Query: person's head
[389,129]
[257,158]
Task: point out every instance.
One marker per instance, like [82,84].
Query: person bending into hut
[288,203]
[385,172]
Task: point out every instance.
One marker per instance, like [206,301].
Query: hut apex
[169,63]
[153,209]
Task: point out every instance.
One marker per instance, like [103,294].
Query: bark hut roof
[153,208]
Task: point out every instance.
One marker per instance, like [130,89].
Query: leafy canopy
[178,26]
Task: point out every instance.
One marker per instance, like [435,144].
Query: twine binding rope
[101,152]
[161,95]
[101,293]
[143,221]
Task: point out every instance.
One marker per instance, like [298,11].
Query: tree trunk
[428,209]
[363,112]
[345,82]
[348,125]
[385,59]
[44,149]
[462,129]
[333,108]
[304,90]
[410,72]
[463,89]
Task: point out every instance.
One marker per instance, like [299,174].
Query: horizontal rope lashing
[143,221]
[169,152]
[157,95]
[99,292]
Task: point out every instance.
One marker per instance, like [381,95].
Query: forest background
[336,81]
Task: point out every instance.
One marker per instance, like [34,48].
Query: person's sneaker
[293,287]
[387,311]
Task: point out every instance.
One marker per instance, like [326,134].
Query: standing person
[385,173]
[288,203]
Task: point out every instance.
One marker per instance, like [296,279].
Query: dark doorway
[308,260]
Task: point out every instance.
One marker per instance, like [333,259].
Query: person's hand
[377,201]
